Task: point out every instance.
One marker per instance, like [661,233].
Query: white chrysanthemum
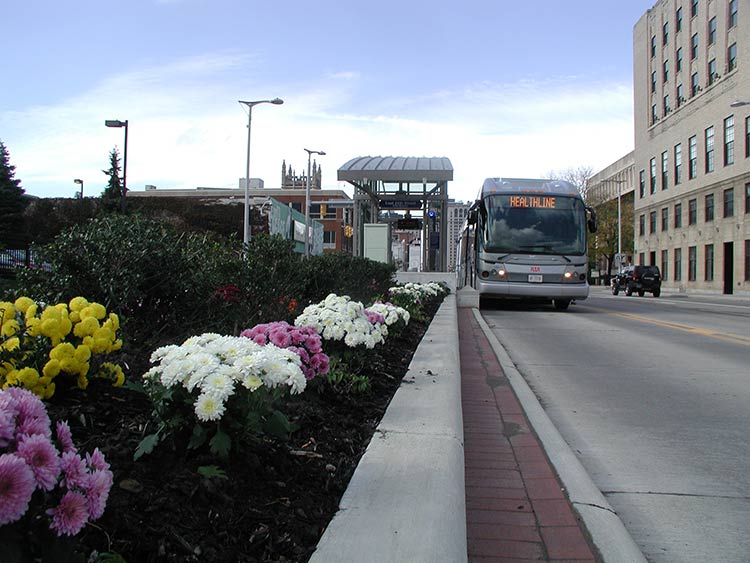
[218,384]
[252,382]
[208,407]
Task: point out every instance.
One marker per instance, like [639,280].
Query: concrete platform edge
[607,531]
[406,500]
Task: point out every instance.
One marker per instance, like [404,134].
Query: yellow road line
[716,334]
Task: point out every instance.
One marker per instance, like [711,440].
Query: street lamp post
[80,183]
[276,101]
[118,123]
[619,220]
[307,201]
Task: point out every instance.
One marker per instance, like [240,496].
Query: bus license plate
[535,278]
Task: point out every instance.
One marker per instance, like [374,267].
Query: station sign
[409,224]
[400,204]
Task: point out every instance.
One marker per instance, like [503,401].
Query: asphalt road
[654,397]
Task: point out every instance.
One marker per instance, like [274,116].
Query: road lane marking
[716,334]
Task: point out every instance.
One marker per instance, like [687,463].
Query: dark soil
[278,496]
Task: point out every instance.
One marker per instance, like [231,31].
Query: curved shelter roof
[396,169]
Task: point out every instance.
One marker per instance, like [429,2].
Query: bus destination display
[544,202]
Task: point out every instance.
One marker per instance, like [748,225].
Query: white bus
[526,239]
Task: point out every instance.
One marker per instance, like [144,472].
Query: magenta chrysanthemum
[16,487]
[95,460]
[97,491]
[73,469]
[70,515]
[7,427]
[65,437]
[41,456]
[32,416]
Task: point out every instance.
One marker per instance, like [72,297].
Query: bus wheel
[561,304]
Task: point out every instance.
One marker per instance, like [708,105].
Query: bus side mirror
[471,218]
[592,219]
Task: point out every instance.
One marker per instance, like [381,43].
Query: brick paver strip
[516,510]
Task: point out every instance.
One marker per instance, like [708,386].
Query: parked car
[637,279]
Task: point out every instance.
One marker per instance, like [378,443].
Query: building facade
[691,63]
[457,212]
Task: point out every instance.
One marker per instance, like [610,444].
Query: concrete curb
[607,531]
[406,500]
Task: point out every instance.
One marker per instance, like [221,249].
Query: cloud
[186,128]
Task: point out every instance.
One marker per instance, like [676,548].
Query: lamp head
[114,123]
[277,101]
[78,181]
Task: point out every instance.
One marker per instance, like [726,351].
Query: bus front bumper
[510,290]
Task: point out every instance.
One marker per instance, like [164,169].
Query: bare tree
[579,177]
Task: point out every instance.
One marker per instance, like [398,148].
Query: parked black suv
[637,279]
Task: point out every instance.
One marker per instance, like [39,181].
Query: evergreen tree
[12,205]
[112,194]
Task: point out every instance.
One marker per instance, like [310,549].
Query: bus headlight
[500,272]
[570,274]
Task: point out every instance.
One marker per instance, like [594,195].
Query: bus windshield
[535,224]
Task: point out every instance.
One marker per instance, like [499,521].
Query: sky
[501,88]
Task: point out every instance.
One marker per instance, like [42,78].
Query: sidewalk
[516,509]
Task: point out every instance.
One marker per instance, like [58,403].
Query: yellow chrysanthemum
[93,310]
[51,368]
[49,390]
[113,372]
[34,326]
[78,303]
[114,321]
[23,303]
[87,327]
[82,382]
[11,344]
[7,311]
[31,311]
[116,345]
[10,328]
[29,377]
[70,365]
[62,350]
[83,353]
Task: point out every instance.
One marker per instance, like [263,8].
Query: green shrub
[360,278]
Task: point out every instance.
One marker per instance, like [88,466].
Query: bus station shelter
[416,186]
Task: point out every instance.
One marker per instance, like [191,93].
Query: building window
[678,61]
[693,157]
[709,211]
[677,163]
[747,199]
[664,219]
[677,215]
[653,82]
[692,212]
[729,140]
[747,260]
[667,109]
[693,8]
[732,57]
[642,183]
[677,264]
[652,222]
[678,20]
[654,117]
[653,175]
[712,74]
[642,225]
[653,45]
[664,170]
[709,149]
[747,136]
[693,46]
[665,33]
[665,264]
[692,262]
[680,95]
[709,262]
[329,237]
[665,70]
[729,202]
[694,84]
[712,31]
[297,206]
[732,13]
[641,258]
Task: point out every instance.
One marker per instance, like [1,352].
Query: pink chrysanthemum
[97,491]
[16,487]
[314,344]
[280,337]
[42,457]
[95,460]
[70,515]
[74,470]
[65,437]
[7,427]
[32,416]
